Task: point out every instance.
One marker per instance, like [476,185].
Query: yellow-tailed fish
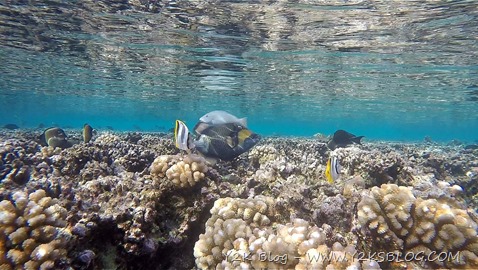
[224,141]
[243,135]
[332,170]
[181,136]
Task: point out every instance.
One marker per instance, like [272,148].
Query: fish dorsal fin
[243,122]
[357,139]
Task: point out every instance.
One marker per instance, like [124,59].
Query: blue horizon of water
[399,135]
[163,121]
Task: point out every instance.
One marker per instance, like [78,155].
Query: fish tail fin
[243,121]
[182,137]
[42,139]
[331,145]
[357,139]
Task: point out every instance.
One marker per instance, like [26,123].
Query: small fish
[87,133]
[110,128]
[332,170]
[54,137]
[343,138]
[222,117]
[11,126]
[182,138]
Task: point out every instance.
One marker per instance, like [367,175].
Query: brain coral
[394,220]
[183,171]
[241,234]
[32,234]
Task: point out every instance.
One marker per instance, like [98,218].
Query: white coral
[182,171]
[418,225]
[33,234]
[234,240]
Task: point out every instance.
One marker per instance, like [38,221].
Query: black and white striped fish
[332,170]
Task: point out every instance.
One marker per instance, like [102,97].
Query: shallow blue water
[384,69]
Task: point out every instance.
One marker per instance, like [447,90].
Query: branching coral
[398,222]
[32,234]
[183,171]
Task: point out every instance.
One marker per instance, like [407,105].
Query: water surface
[394,70]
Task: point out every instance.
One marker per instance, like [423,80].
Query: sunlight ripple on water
[306,61]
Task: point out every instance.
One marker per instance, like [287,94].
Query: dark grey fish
[471,146]
[224,141]
[343,138]
[11,126]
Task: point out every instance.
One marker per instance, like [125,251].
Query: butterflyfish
[332,170]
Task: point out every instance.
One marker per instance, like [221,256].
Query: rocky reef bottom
[133,201]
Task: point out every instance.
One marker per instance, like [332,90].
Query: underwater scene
[282,134]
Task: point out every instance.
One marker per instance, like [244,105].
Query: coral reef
[17,160]
[394,220]
[134,202]
[32,231]
[282,159]
[244,233]
[182,171]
